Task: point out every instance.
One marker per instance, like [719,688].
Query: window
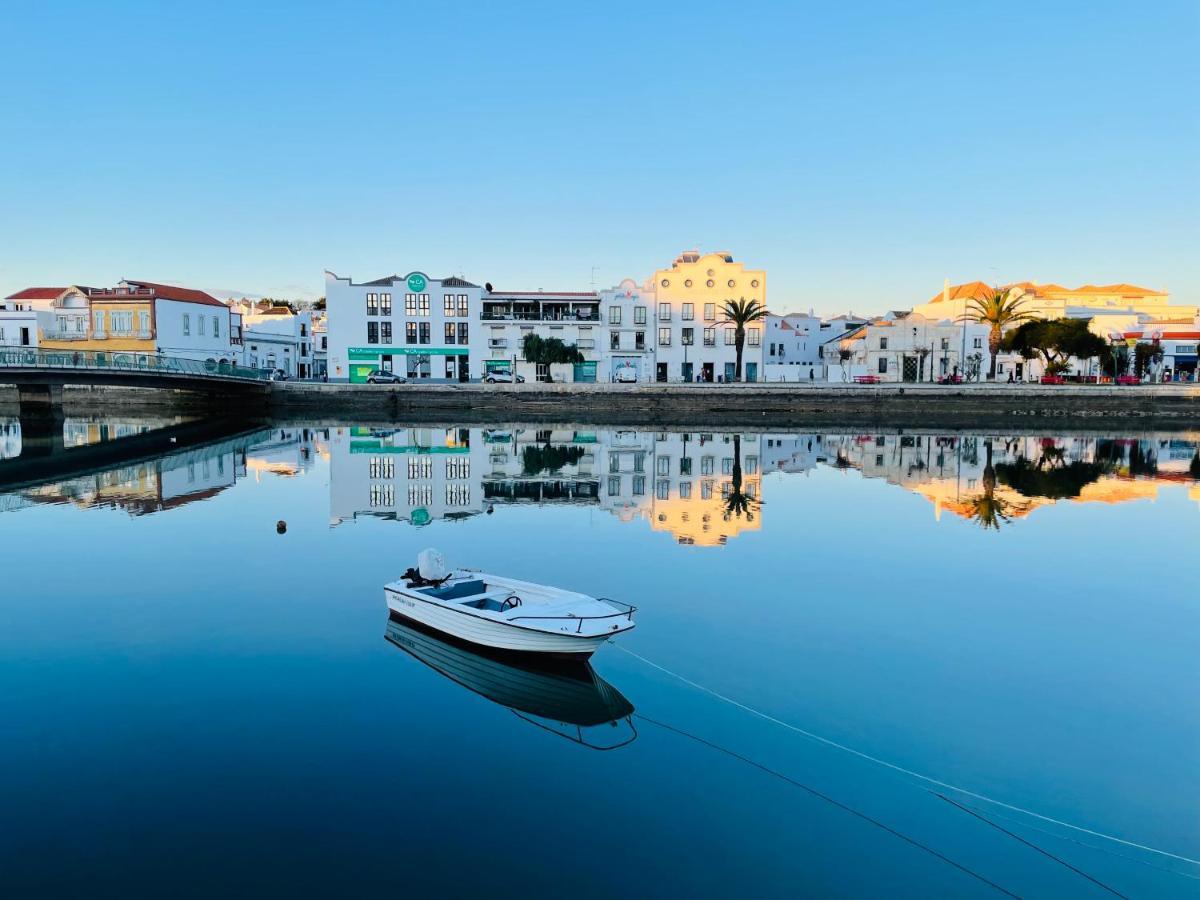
[462,332]
[664,312]
[727,465]
[372,332]
[200,325]
[883,365]
[639,315]
[187,324]
[451,332]
[685,490]
[462,305]
[614,315]
[706,465]
[639,340]
[614,340]
[730,337]
[710,337]
[372,304]
[410,332]
[688,337]
[424,299]
[639,485]
[424,333]
[385,305]
[662,465]
[420,494]
[449,304]
[751,465]
[383,467]
[420,467]
[216,327]
[664,337]
[689,312]
[710,312]
[385,332]
[706,489]
[977,343]
[98,320]
[458,468]
[458,495]
[144,321]
[754,337]
[662,489]
[614,485]
[410,304]
[883,343]
[685,465]
[945,343]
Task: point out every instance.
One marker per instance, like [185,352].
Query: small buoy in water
[490,509]
[281,527]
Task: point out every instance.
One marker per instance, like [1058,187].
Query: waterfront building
[138,317]
[320,344]
[1053,301]
[692,341]
[1178,339]
[572,317]
[278,338]
[19,320]
[904,346]
[421,327]
[541,465]
[628,312]
[793,347]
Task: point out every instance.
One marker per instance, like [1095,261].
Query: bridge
[40,375]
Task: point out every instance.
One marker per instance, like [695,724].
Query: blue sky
[860,153]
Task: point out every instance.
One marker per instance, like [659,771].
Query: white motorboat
[505,613]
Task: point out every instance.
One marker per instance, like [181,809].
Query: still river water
[866,664]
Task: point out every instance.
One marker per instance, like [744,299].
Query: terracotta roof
[184,295]
[979,289]
[966,291]
[36,293]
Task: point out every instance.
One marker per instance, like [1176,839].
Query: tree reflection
[987,509]
[739,503]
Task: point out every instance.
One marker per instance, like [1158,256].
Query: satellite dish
[488,287]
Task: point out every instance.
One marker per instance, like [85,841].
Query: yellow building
[1053,301]
[692,339]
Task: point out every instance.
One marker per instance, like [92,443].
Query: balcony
[64,334]
[546,316]
[498,343]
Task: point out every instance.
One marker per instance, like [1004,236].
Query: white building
[184,322]
[415,325]
[278,338]
[320,342]
[571,317]
[19,320]
[628,310]
[905,346]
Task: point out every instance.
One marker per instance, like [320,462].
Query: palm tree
[987,509]
[738,503]
[998,309]
[740,313]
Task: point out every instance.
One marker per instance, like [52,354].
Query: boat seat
[457,591]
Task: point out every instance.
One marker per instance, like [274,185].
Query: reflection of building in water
[153,486]
[414,474]
[707,486]
[540,465]
[286,452]
[82,432]
[996,478]
[10,438]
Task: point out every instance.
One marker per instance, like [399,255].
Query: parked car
[1053,379]
[280,375]
[382,376]
[502,377]
[625,374]
[950,379]
[1128,379]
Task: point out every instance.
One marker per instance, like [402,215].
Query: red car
[1053,379]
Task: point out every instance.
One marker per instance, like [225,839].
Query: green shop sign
[373,353]
[417,282]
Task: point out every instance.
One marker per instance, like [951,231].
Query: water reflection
[566,698]
[703,488]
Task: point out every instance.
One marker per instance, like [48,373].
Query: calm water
[192,704]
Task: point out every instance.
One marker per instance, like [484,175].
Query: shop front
[415,363]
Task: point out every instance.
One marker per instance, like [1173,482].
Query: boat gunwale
[577,635]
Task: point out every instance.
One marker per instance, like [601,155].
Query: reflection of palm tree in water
[987,509]
[739,503]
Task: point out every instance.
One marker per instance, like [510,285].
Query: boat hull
[490,633]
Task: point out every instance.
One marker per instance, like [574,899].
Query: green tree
[1056,341]
[549,351]
[740,313]
[1145,355]
[998,310]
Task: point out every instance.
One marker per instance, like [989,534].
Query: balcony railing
[538,317]
[64,334]
[498,343]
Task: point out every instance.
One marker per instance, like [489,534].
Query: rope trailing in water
[901,769]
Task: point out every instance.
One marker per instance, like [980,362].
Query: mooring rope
[901,769]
